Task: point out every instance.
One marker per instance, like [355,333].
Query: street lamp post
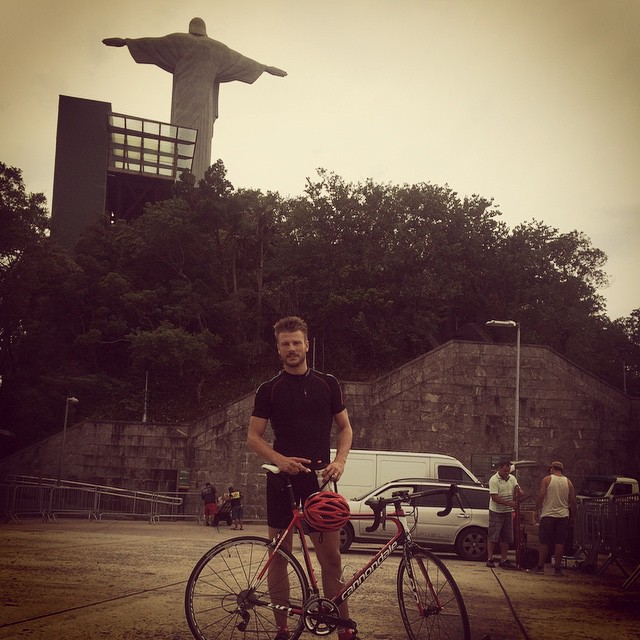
[70,400]
[516,426]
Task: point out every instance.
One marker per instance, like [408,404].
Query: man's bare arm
[573,504]
[335,469]
[542,493]
[257,444]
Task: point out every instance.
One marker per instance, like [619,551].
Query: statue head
[197,27]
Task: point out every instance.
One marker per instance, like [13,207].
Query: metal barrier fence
[612,527]
[24,496]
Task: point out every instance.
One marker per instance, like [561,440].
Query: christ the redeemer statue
[198,64]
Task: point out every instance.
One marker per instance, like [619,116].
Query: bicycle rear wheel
[430,601]
[226,598]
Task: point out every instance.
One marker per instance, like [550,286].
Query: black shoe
[282,635]
[491,563]
[507,564]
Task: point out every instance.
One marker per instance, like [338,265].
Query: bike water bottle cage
[326,511]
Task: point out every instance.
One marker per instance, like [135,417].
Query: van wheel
[471,544]
[346,537]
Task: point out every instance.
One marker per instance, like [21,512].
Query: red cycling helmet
[326,511]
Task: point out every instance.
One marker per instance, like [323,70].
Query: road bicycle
[228,597]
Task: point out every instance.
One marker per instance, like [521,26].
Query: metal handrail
[28,496]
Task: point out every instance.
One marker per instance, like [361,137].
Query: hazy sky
[533,104]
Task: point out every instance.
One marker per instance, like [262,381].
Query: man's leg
[559,554]
[545,538]
[561,529]
[543,552]
[506,538]
[278,580]
[327,547]
[504,551]
[493,535]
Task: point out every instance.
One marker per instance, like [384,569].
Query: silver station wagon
[464,530]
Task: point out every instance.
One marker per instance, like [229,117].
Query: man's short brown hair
[289,325]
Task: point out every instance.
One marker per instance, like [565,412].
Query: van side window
[453,474]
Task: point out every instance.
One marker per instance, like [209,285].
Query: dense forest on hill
[185,295]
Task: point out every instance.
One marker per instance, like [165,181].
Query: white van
[367,470]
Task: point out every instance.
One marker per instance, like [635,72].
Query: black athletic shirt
[301,410]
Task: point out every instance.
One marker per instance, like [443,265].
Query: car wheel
[346,537]
[471,544]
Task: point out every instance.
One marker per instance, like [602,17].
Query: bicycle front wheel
[430,601]
[227,597]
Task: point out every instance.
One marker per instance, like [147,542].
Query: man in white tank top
[555,510]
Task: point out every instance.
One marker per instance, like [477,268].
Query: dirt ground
[123,580]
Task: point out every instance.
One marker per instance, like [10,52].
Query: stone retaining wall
[457,399]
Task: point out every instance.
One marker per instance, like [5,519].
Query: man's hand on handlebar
[333,471]
[293,465]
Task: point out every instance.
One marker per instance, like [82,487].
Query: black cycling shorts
[278,502]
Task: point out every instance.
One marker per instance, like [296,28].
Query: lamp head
[501,323]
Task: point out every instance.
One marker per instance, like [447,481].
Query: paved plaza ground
[125,580]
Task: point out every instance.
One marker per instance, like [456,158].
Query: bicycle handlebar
[322,483]
[379,505]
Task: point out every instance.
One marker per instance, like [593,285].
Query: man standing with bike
[302,406]
[504,490]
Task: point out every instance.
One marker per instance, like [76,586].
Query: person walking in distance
[235,498]
[210,498]
[503,493]
[555,510]
[302,405]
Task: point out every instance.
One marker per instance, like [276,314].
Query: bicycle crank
[321,616]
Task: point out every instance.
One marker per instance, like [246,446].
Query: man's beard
[294,359]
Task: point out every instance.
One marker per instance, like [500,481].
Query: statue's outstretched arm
[114,42]
[274,71]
